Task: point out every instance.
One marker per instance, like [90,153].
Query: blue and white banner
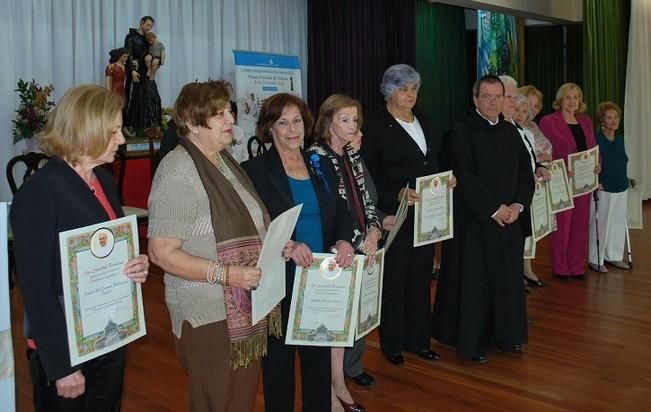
[7,378]
[259,75]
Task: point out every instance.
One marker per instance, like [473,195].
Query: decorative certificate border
[424,183]
[572,159]
[541,196]
[366,326]
[73,242]
[322,335]
[555,167]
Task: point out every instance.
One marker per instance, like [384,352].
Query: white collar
[489,121]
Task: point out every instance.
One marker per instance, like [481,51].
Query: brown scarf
[238,243]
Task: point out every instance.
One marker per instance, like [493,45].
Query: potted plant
[32,112]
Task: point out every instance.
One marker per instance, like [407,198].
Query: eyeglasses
[491,97]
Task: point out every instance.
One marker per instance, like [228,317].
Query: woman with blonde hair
[71,191]
[570,130]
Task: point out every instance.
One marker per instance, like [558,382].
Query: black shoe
[480,359]
[395,358]
[564,278]
[527,289]
[364,380]
[535,282]
[531,321]
[579,277]
[429,355]
[516,348]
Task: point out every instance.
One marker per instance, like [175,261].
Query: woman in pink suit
[569,131]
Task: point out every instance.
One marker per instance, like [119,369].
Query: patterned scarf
[365,206]
[238,243]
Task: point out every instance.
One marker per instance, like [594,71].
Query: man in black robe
[480,300]
[136,81]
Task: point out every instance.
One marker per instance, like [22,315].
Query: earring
[195,131]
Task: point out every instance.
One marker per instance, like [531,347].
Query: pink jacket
[559,134]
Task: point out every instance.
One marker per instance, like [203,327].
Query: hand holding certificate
[103,306]
[584,164]
[325,303]
[560,196]
[272,264]
[433,213]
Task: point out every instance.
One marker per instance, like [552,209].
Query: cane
[595,197]
[628,246]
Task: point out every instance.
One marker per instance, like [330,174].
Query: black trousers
[406,301]
[278,369]
[103,376]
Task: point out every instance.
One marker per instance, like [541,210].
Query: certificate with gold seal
[560,196]
[583,164]
[325,303]
[370,296]
[541,216]
[433,212]
[103,307]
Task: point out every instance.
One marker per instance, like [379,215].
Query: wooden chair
[255,147]
[32,162]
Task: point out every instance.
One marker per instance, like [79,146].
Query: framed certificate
[401,215]
[560,196]
[325,303]
[634,204]
[541,216]
[103,307]
[529,248]
[370,296]
[433,213]
[583,164]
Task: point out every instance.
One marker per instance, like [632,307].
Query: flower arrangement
[33,109]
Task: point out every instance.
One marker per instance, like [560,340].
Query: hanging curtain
[441,61]
[352,42]
[544,61]
[637,121]
[605,38]
[66,42]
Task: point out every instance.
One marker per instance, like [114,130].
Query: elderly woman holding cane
[286,176]
[206,225]
[71,191]
[335,136]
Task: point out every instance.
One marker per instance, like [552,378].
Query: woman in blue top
[614,182]
[286,176]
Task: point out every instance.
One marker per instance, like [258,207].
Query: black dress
[480,298]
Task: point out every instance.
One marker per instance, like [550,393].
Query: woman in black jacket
[285,176]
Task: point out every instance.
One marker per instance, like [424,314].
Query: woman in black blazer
[285,176]
[399,146]
[70,192]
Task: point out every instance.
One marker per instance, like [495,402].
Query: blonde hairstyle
[604,107]
[150,35]
[563,91]
[197,102]
[327,111]
[82,123]
[531,90]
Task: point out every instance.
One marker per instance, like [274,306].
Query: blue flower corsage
[315,164]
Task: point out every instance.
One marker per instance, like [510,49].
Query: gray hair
[521,98]
[508,81]
[397,76]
